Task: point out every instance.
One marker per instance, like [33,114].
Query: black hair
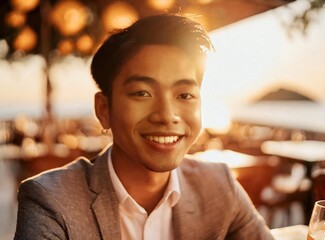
[163,29]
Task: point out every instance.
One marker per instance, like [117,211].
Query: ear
[102,109]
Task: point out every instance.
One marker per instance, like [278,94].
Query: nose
[164,112]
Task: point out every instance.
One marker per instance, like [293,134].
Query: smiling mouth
[163,139]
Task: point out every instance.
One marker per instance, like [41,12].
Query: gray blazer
[78,201]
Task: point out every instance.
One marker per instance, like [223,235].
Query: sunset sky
[256,55]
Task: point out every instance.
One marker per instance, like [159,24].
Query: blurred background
[263,96]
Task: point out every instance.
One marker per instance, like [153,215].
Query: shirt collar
[172,192]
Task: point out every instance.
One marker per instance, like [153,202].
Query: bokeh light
[119,15]
[161,4]
[203,1]
[24,5]
[15,19]
[69,17]
[85,44]
[26,39]
[66,46]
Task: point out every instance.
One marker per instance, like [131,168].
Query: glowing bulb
[161,4]
[15,19]
[85,43]
[26,40]
[204,1]
[119,15]
[65,47]
[69,17]
[24,5]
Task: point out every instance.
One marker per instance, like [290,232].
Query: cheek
[193,118]
[128,115]
[198,120]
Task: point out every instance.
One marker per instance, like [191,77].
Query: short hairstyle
[162,29]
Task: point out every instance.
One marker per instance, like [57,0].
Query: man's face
[155,110]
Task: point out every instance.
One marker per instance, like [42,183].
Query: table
[231,158]
[297,232]
[307,152]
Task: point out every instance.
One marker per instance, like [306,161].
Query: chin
[162,168]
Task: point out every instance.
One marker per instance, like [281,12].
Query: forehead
[160,62]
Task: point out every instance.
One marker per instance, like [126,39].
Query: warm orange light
[85,43]
[119,15]
[65,47]
[198,15]
[69,140]
[15,19]
[161,4]
[69,17]
[203,1]
[24,5]
[26,40]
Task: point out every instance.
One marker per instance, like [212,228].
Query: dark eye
[185,96]
[141,94]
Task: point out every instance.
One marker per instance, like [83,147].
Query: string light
[119,15]
[24,5]
[69,17]
[85,44]
[204,1]
[161,4]
[26,40]
[15,19]
[65,47]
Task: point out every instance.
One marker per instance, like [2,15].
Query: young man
[142,187]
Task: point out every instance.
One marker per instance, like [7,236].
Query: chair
[285,198]
[254,179]
[318,180]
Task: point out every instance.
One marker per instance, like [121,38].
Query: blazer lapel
[105,204]
[185,215]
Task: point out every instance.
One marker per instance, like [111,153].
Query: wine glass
[316,230]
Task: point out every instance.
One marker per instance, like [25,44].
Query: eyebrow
[151,81]
[138,78]
[189,82]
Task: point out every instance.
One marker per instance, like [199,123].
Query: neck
[146,187]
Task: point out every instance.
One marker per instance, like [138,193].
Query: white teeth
[163,139]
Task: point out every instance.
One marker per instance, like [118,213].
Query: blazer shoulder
[56,198]
[207,174]
[69,178]
[192,166]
